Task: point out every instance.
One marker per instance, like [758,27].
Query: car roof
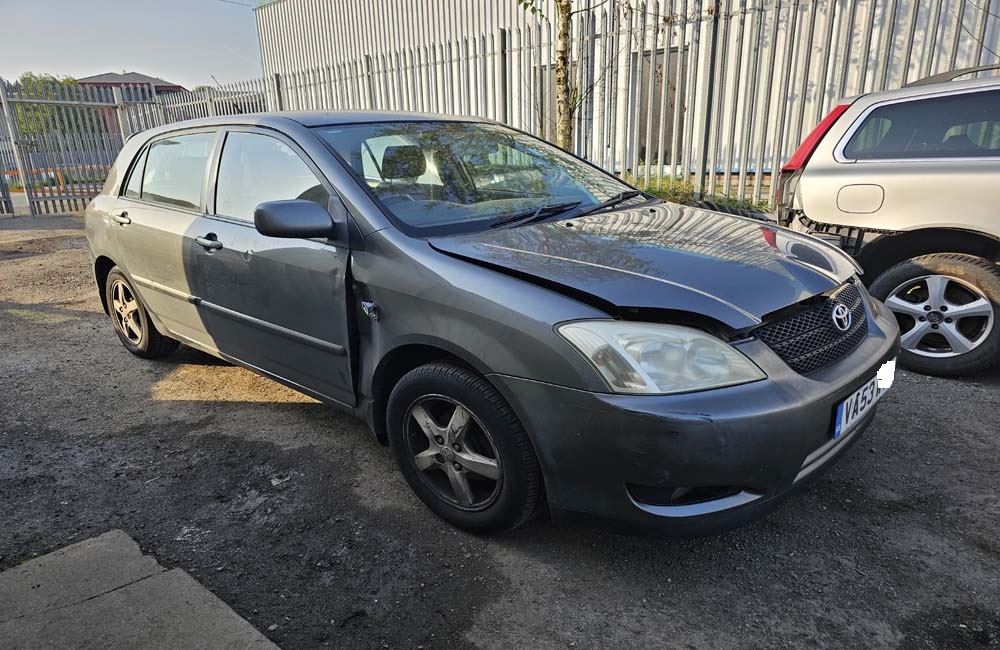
[276,119]
[927,89]
[329,118]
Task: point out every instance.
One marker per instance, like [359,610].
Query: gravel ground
[298,519]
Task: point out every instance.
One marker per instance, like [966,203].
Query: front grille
[809,340]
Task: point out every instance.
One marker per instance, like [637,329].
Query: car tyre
[462,449]
[131,320]
[970,287]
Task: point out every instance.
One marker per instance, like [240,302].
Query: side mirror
[297,219]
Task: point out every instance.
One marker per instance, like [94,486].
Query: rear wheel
[948,307]
[462,449]
[131,320]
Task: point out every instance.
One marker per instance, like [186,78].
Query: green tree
[569,95]
[40,119]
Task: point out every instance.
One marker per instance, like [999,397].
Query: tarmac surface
[299,521]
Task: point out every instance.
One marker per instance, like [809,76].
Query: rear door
[161,200]
[278,305]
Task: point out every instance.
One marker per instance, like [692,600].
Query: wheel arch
[402,359]
[102,267]
[887,251]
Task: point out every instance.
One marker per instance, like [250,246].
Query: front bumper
[602,453]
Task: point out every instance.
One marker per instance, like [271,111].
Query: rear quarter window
[964,125]
[133,189]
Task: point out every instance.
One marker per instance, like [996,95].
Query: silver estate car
[525,331]
[908,182]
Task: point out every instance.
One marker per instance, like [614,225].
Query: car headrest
[959,142]
[403,161]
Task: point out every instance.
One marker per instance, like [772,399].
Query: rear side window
[256,168]
[966,125]
[175,170]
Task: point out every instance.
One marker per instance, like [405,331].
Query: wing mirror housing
[295,219]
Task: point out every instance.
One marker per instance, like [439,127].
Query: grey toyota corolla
[523,329]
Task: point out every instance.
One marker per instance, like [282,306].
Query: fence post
[161,110]
[369,81]
[703,173]
[119,98]
[22,169]
[502,90]
[278,99]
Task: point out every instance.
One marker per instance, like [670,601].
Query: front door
[277,305]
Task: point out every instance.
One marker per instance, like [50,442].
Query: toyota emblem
[841,317]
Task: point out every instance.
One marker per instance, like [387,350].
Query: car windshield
[442,178]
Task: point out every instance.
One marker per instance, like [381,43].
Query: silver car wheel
[125,311]
[453,451]
[940,316]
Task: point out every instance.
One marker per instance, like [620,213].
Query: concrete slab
[103,593]
[73,574]
[168,611]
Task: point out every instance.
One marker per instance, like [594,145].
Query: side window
[966,125]
[256,168]
[175,170]
[134,186]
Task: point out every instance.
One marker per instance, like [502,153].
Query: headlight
[651,358]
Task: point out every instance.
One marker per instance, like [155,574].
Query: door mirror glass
[297,218]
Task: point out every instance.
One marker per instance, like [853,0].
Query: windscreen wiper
[621,197]
[535,214]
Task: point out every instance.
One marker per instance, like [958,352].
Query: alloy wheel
[940,316]
[453,452]
[125,310]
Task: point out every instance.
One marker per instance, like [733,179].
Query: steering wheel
[397,198]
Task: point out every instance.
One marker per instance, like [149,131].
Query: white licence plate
[853,409]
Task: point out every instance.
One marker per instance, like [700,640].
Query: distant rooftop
[125,78]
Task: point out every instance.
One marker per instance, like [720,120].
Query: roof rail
[951,76]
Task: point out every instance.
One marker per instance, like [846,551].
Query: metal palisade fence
[719,92]
[58,140]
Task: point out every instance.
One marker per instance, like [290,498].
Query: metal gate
[8,170]
[63,140]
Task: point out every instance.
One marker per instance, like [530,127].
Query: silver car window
[965,125]
[134,187]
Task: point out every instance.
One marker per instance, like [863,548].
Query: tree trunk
[564,94]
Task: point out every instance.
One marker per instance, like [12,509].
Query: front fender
[493,322]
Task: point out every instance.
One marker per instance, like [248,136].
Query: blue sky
[183,41]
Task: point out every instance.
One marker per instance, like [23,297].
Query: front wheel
[948,307]
[462,449]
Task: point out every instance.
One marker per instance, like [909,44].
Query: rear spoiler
[951,76]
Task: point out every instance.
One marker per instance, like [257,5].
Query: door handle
[209,242]
[121,218]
